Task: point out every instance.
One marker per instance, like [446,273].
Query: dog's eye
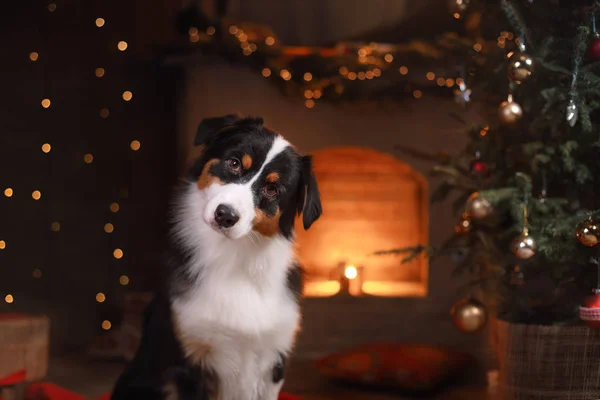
[270,191]
[234,165]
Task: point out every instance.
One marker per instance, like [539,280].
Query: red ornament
[593,50]
[480,168]
[589,310]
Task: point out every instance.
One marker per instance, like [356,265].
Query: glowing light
[55,226]
[100,72]
[100,297]
[109,228]
[361,75]
[388,58]
[352,75]
[8,192]
[308,94]
[484,131]
[106,325]
[477,47]
[246,52]
[46,103]
[33,56]
[430,76]
[37,273]
[350,272]
[2,244]
[343,71]
[114,207]
[376,72]
[127,95]
[369,74]
[104,112]
[122,45]
[88,158]
[124,280]
[449,82]
[100,22]
[36,195]
[460,81]
[210,30]
[193,31]
[270,41]
[317,94]
[309,103]
[363,59]
[456,15]
[403,70]
[307,76]
[417,94]
[9,298]
[233,29]
[441,81]
[285,74]
[118,254]
[362,52]
[135,145]
[266,72]
[194,38]
[51,7]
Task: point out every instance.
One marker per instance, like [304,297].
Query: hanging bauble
[520,67]
[478,207]
[462,95]
[524,245]
[587,232]
[469,315]
[572,113]
[458,7]
[593,50]
[509,112]
[589,310]
[464,225]
[517,278]
[480,169]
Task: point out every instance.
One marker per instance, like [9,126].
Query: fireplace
[371,201]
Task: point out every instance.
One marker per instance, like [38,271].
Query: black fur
[279,368]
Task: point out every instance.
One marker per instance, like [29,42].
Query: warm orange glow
[317,94]
[352,76]
[8,192]
[309,103]
[285,74]
[477,47]
[456,15]
[361,75]
[193,31]
[51,7]
[233,29]
[307,76]
[127,95]
[194,38]
[88,158]
[109,228]
[308,94]
[46,148]
[321,288]
[449,82]
[210,30]
[362,52]
[106,325]
[37,273]
[33,56]
[122,45]
[350,272]
[46,103]
[394,289]
[36,195]
[104,113]
[114,207]
[441,81]
[135,145]
[2,244]
[9,298]
[270,40]
[246,51]
[118,254]
[266,72]
[484,131]
[55,226]
[430,76]
[417,94]
[124,280]
[376,72]
[100,22]
[343,71]
[460,81]
[100,297]
[388,58]
[403,70]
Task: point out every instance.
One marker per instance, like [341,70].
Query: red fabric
[14,378]
[409,367]
[49,391]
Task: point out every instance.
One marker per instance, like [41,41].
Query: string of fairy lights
[88,158]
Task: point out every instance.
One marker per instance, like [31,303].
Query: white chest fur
[239,315]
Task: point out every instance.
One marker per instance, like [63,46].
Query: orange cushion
[409,367]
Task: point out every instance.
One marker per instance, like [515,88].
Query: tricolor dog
[226,324]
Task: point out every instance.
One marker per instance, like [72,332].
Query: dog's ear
[209,127]
[309,204]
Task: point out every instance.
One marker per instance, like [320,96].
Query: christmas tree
[526,182]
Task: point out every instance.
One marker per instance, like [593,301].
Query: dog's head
[252,179]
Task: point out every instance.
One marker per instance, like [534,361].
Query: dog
[225,325]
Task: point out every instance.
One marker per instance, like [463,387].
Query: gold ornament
[478,207]
[465,225]
[524,245]
[588,232]
[520,67]
[509,112]
[469,315]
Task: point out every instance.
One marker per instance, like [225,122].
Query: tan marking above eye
[273,177]
[266,225]
[206,179]
[247,161]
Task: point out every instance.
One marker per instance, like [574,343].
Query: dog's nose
[225,216]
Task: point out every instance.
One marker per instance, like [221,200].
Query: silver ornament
[462,95]
[509,112]
[572,113]
[524,245]
[520,67]
[478,207]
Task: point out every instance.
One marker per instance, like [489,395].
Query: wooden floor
[92,379]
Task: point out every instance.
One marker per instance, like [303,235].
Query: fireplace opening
[371,201]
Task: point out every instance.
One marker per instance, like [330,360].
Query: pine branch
[517,22]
